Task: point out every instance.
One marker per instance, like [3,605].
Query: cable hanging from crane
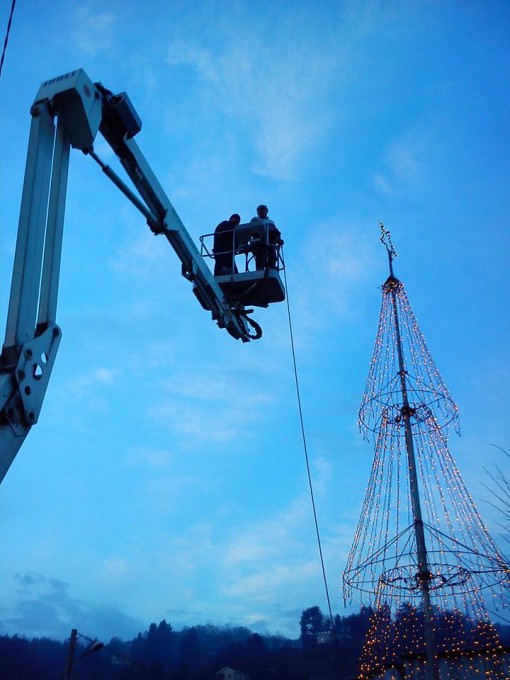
[307,460]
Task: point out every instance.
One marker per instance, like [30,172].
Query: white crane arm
[69,111]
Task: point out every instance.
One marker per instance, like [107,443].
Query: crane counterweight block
[120,120]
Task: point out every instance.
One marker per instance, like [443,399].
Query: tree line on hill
[323,651]
[194,653]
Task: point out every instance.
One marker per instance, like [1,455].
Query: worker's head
[235,219]
[262,211]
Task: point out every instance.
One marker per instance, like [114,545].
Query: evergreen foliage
[195,653]
[199,652]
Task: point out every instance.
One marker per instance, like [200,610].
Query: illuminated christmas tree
[421,557]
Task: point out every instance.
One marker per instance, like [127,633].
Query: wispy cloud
[115,567]
[405,163]
[140,256]
[265,584]
[256,570]
[211,407]
[276,541]
[263,538]
[336,259]
[269,86]
[44,606]
[93,30]
[88,386]
[158,459]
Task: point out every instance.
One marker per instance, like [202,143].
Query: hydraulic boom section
[69,111]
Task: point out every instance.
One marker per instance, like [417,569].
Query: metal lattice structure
[422,557]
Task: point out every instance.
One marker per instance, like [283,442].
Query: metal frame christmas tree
[422,556]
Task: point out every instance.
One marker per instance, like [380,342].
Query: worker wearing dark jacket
[223,246]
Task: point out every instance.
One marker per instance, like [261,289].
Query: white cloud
[158,459]
[86,385]
[278,537]
[199,58]
[92,31]
[114,568]
[199,424]
[46,607]
[405,162]
[141,256]
[269,87]
[336,258]
[213,406]
[266,584]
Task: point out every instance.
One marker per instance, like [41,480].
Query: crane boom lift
[69,111]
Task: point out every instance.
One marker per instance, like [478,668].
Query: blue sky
[166,477]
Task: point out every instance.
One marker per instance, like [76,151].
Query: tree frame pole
[423,576]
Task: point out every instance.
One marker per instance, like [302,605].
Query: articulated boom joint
[33,371]
[158,226]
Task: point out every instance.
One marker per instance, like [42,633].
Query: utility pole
[95,646]
[70,657]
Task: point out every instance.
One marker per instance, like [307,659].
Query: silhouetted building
[227,673]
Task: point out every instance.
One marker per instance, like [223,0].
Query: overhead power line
[9,23]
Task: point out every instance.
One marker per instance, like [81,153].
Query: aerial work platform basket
[252,276]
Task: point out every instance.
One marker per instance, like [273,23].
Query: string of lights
[422,559]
